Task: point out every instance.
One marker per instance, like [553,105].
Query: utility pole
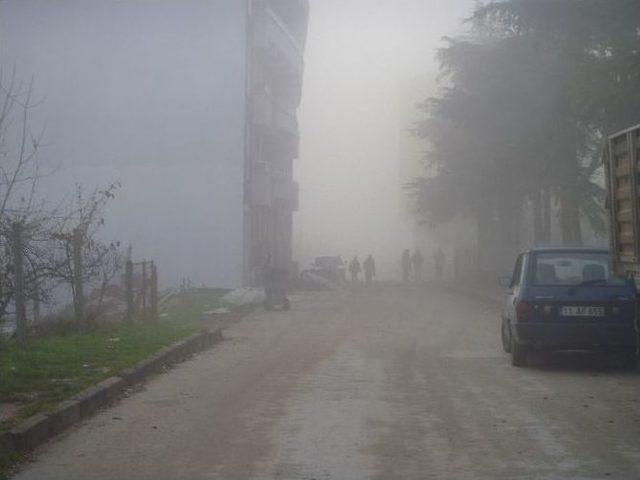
[145,313]
[154,292]
[128,286]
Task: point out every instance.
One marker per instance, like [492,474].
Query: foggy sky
[124,90]
[360,54]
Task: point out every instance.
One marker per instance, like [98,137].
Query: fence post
[145,313]
[36,310]
[78,280]
[36,301]
[154,292]
[128,285]
[18,270]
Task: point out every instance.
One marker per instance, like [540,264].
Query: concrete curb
[36,430]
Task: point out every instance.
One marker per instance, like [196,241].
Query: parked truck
[622,162]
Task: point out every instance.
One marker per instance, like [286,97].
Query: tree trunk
[508,222]
[568,189]
[570,218]
[78,278]
[538,222]
[486,237]
[546,215]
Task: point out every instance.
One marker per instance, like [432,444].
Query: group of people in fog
[368,267]
[412,264]
[412,267]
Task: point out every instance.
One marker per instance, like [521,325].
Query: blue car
[566,299]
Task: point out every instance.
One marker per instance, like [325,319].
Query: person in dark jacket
[369,266]
[438,260]
[355,269]
[417,260]
[405,261]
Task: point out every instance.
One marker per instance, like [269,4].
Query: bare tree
[77,257]
[19,174]
[58,244]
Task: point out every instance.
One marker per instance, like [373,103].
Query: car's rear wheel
[506,336]
[519,353]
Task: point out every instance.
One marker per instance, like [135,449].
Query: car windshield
[573,269]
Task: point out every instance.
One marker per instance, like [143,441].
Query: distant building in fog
[190,104]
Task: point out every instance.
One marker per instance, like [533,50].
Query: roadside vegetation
[51,368]
[113,315]
[187,308]
[57,366]
[515,132]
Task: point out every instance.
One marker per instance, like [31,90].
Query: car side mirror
[504,282]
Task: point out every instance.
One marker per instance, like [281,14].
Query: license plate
[582,311]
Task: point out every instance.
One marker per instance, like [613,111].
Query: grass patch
[7,462]
[51,369]
[187,309]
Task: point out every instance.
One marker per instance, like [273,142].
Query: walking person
[438,260]
[369,266]
[355,269]
[406,265]
[417,260]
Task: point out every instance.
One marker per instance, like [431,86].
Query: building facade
[277,38]
[189,104]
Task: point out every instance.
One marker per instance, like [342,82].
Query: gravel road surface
[395,382]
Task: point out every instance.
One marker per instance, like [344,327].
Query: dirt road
[391,383]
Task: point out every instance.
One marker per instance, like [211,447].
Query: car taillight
[524,311]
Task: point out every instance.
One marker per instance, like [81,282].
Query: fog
[361,55]
[128,93]
[299,238]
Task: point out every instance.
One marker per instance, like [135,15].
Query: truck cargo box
[621,157]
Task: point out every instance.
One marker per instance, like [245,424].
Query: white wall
[149,93]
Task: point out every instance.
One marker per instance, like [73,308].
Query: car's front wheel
[506,336]
[519,353]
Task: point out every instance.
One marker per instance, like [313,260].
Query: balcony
[261,188]
[295,15]
[295,196]
[262,109]
[276,118]
[272,38]
[287,192]
[285,121]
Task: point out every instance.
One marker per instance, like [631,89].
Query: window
[517,272]
[573,268]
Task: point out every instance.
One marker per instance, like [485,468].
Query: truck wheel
[519,354]
[506,336]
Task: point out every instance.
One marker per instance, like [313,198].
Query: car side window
[517,273]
